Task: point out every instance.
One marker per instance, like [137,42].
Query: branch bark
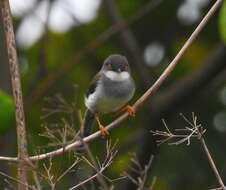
[17,93]
[212,164]
[180,93]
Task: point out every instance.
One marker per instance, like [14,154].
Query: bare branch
[17,93]
[210,159]
[53,180]
[142,173]
[195,130]
[98,167]
[184,135]
[16,180]
[89,179]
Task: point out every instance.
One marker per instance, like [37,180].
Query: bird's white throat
[114,76]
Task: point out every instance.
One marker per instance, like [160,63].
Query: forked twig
[97,166]
[184,135]
[141,172]
[195,130]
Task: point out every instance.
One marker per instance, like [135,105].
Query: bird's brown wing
[93,84]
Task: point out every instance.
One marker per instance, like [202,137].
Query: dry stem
[195,130]
[17,93]
[98,167]
[142,173]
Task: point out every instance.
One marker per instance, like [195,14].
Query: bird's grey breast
[118,89]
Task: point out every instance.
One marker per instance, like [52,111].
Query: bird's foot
[103,131]
[130,110]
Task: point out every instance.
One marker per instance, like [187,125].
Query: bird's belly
[107,104]
[110,96]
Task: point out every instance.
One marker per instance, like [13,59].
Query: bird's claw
[103,131]
[130,110]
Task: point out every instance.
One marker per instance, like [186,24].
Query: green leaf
[222,22]
[6,111]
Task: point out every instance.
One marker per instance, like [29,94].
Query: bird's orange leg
[104,132]
[129,109]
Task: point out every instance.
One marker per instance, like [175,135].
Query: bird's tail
[87,123]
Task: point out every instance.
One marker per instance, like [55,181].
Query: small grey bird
[109,91]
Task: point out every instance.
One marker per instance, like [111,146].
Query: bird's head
[116,63]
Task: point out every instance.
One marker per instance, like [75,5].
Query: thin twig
[195,130]
[98,167]
[141,173]
[184,135]
[179,55]
[153,183]
[219,188]
[146,169]
[149,93]
[210,159]
[17,92]
[212,164]
[67,170]
[16,180]
[88,179]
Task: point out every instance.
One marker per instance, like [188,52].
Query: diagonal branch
[53,77]
[17,92]
[149,93]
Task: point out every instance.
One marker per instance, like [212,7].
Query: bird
[109,91]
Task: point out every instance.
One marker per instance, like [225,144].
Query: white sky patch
[20,7]
[29,31]
[219,121]
[154,53]
[84,10]
[199,3]
[63,15]
[32,26]
[188,13]
[60,19]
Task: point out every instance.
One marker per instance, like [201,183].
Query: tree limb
[17,93]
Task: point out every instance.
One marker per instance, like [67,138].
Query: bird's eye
[126,66]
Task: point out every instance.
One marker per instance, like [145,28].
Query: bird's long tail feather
[87,123]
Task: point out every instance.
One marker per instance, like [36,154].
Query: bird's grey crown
[115,62]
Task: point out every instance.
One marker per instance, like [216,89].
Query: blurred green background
[62,44]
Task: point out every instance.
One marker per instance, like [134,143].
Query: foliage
[6,112]
[222,22]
